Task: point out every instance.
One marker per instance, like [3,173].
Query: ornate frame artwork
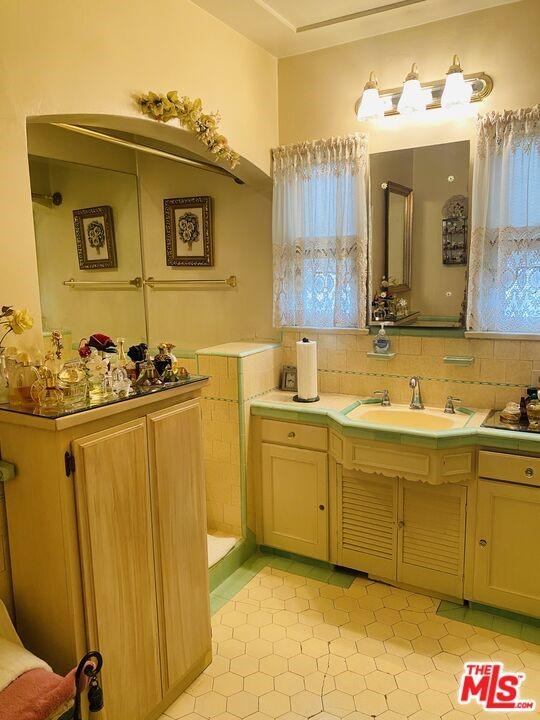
[94,234]
[188,231]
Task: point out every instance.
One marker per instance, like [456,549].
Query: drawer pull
[482,542]
[321,507]
[529,472]
[291,434]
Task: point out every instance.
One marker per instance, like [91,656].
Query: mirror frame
[407,193]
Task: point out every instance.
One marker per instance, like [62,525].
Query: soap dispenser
[381,343]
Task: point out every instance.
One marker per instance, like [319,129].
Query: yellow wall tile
[518,371]
[410,345]
[506,349]
[530,350]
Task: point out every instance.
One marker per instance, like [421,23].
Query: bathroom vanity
[430,509]
[107,530]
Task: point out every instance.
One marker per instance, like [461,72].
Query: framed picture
[94,233]
[289,378]
[188,231]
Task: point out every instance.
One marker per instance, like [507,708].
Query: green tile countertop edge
[503,439]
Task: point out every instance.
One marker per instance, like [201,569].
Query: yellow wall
[318,90]
[90,58]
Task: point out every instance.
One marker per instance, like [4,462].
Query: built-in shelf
[381,356]
[458,360]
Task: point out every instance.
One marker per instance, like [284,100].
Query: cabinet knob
[401,524]
[291,434]
[529,472]
[321,507]
[482,542]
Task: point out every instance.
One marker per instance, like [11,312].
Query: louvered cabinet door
[431,537]
[367,523]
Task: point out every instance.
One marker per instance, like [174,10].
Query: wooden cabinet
[506,572]
[295,499]
[403,531]
[111,553]
[179,506]
[115,528]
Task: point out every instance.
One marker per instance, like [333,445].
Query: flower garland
[190,113]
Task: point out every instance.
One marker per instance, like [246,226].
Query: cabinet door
[180,539]
[115,529]
[294,494]
[506,572]
[431,538]
[367,522]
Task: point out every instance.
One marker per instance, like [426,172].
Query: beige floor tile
[293,648]
[243,704]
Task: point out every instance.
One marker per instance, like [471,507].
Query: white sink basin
[401,416]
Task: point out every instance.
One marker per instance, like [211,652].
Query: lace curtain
[320,233]
[504,266]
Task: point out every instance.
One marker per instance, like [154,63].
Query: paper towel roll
[306,365]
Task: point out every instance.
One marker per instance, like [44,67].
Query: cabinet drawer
[512,468]
[285,433]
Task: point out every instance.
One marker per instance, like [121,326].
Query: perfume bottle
[72,383]
[148,376]
[162,360]
[45,391]
[4,384]
[24,376]
[123,359]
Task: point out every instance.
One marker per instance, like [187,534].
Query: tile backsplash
[498,373]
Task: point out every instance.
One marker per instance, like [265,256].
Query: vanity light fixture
[457,92]
[370,106]
[414,98]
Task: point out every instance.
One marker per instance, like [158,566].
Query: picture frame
[289,378]
[189,240]
[94,235]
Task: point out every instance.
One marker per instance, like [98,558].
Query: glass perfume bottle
[148,376]
[72,383]
[4,384]
[24,377]
[45,391]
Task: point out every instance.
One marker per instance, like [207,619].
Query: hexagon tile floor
[292,647]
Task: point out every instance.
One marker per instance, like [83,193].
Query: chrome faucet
[449,408]
[385,395]
[416,400]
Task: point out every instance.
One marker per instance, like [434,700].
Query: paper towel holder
[297,398]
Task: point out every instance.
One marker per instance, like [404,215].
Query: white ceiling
[282,26]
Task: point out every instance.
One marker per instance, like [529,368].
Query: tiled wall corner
[499,372]
[260,373]
[221,438]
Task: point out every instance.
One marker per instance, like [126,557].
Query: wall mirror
[398,213]
[86,222]
[419,235]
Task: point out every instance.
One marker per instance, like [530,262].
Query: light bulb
[414,97]
[371,105]
[457,92]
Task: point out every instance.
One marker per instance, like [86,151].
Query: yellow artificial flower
[20,320]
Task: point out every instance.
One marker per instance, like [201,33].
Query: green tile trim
[270,557]
[420,332]
[381,356]
[243,445]
[458,360]
[445,439]
[494,619]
